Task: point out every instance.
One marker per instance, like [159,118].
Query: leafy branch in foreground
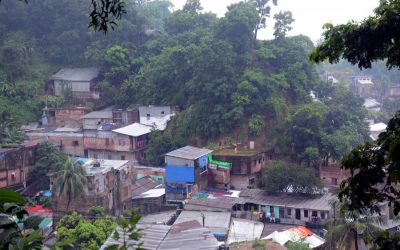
[127,229]
[375,172]
[376,38]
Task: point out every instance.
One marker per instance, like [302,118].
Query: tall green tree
[263,8]
[192,6]
[290,178]
[283,21]
[70,182]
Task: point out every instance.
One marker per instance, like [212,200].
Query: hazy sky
[309,15]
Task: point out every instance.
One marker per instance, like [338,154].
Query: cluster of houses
[199,198]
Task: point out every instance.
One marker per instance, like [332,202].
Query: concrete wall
[15,165]
[94,123]
[333,175]
[105,154]
[111,190]
[69,116]
[70,143]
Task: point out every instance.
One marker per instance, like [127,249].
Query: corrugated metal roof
[258,196]
[190,235]
[220,202]
[152,193]
[135,129]
[215,221]
[158,122]
[76,74]
[159,218]
[143,185]
[189,152]
[179,174]
[152,235]
[104,114]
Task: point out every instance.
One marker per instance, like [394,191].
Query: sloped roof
[215,221]
[103,114]
[159,123]
[152,235]
[76,74]
[189,235]
[258,196]
[189,152]
[152,193]
[143,185]
[135,129]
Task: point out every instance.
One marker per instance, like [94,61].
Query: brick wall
[333,175]
[69,116]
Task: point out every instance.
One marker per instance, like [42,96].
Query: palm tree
[346,229]
[70,182]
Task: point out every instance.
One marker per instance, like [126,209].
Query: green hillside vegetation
[227,83]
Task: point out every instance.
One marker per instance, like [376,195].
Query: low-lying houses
[255,204]
[80,82]
[246,165]
[109,185]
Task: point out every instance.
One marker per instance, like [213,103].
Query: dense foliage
[213,68]
[48,160]
[290,178]
[84,233]
[13,219]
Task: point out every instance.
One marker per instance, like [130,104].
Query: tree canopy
[290,178]
[373,39]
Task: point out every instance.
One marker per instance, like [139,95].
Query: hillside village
[198,195]
[144,126]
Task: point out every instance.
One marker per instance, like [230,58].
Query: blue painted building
[185,172]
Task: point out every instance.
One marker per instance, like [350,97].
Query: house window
[75,143]
[297,214]
[93,141]
[148,116]
[259,161]
[314,214]
[289,212]
[162,112]
[122,142]
[323,215]
[95,156]
[306,213]
[109,157]
[107,141]
[334,181]
[123,157]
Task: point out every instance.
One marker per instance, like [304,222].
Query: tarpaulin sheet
[179,174]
